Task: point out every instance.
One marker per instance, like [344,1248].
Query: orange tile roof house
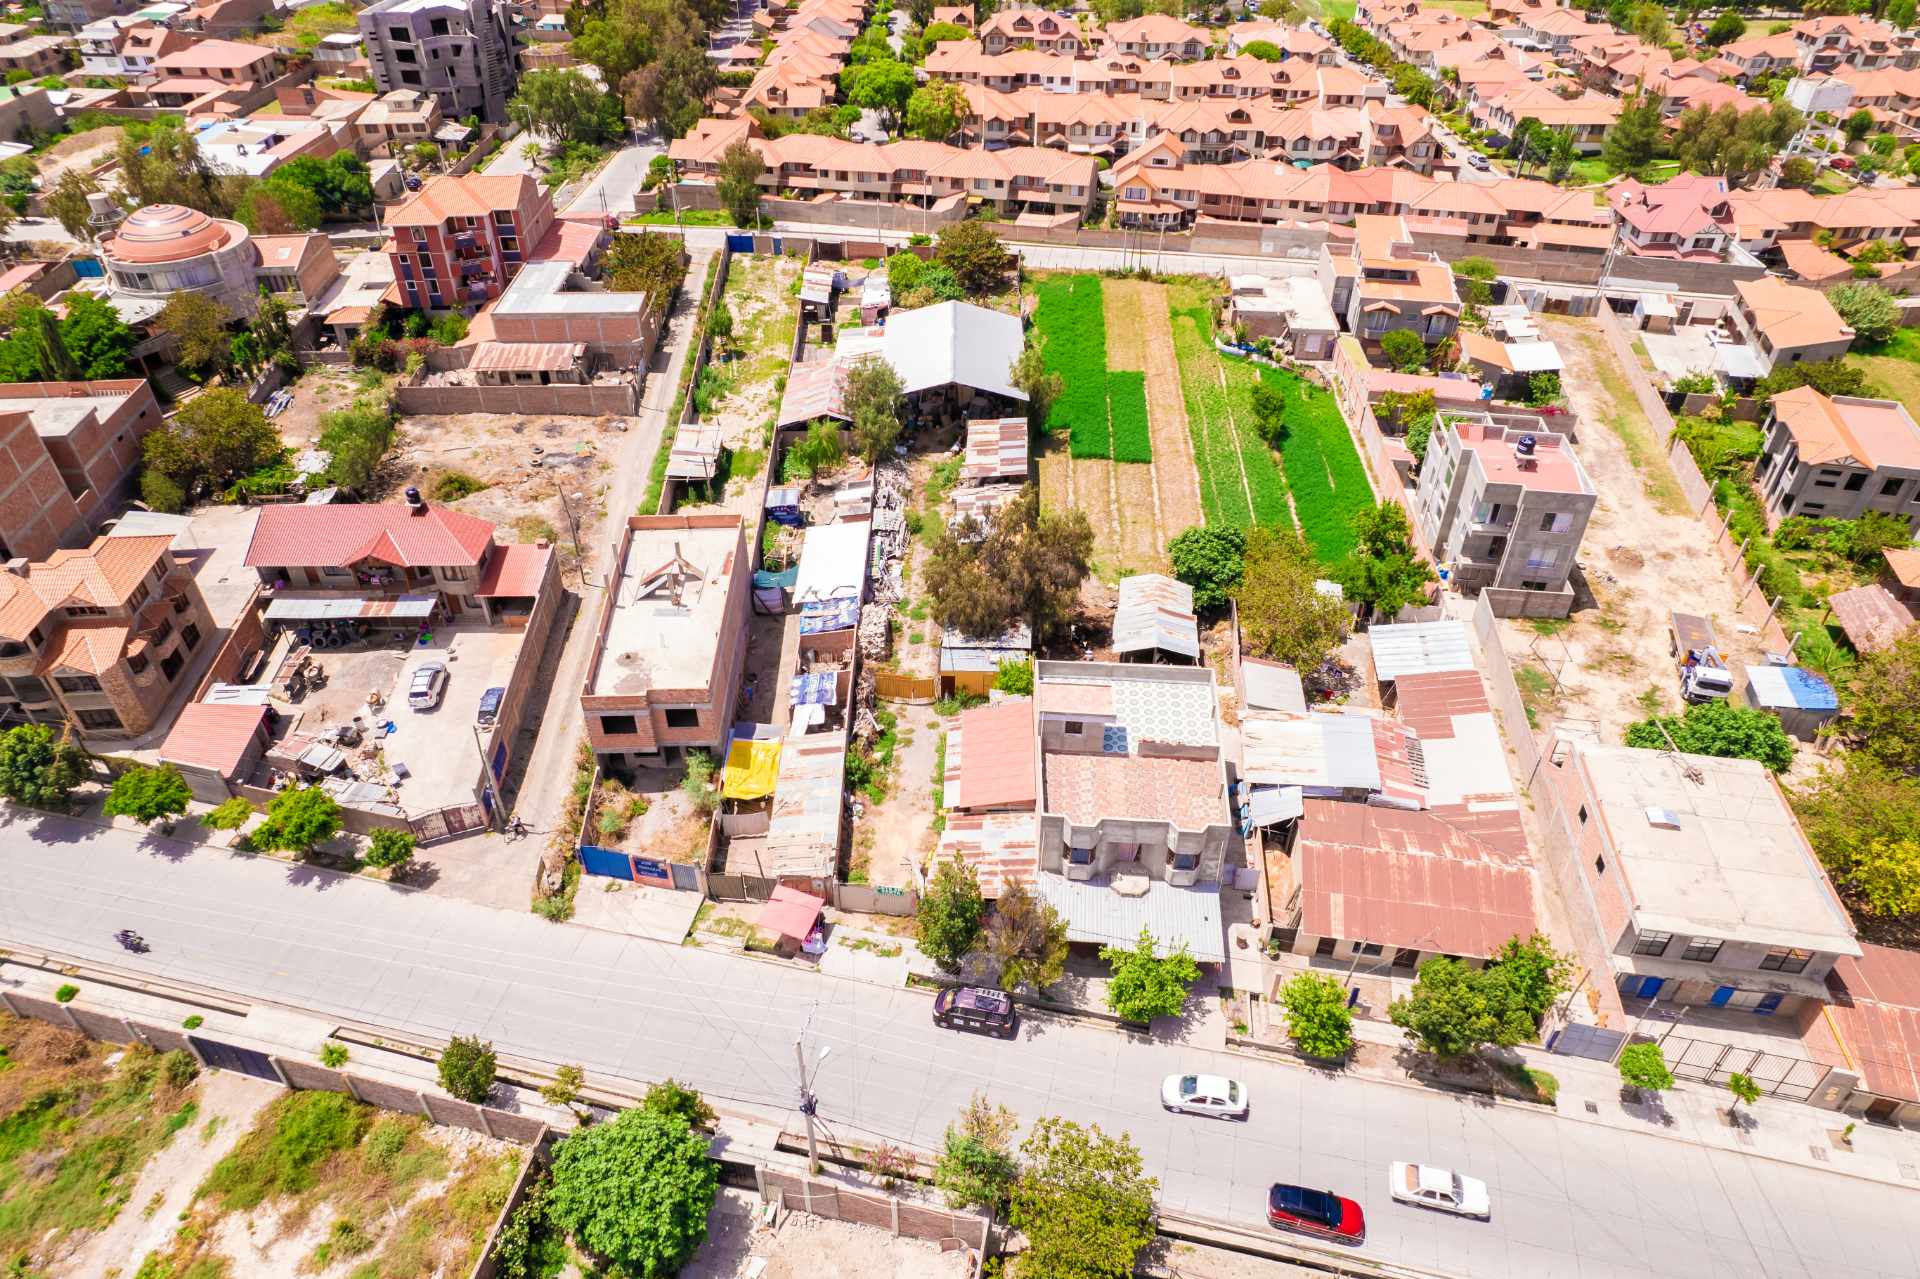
[1041,28]
[1158,35]
[101,638]
[1789,323]
[1839,457]
[214,744]
[459,241]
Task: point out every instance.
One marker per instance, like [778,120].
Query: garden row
[1104,412]
[1323,468]
[1239,483]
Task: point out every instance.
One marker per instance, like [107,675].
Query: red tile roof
[339,536]
[999,756]
[1875,1010]
[1407,879]
[213,736]
[515,570]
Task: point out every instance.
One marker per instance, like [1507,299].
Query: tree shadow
[1646,1107]
[1455,1078]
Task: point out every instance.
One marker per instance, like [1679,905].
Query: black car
[976,1008]
[1316,1212]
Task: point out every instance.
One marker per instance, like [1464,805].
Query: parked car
[976,1008]
[490,706]
[1315,1212]
[1425,1186]
[428,686]
[1205,1095]
[1841,162]
[1479,161]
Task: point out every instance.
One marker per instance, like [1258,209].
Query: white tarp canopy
[954,342]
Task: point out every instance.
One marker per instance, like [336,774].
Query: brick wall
[587,401]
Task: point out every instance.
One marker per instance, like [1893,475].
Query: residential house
[302,267]
[1851,40]
[70,450]
[1291,310]
[1690,874]
[1838,457]
[99,638]
[226,18]
[36,55]
[1683,217]
[1040,29]
[24,106]
[1504,507]
[226,64]
[1788,323]
[672,638]
[1160,37]
[1587,116]
[1380,283]
[460,51]
[1761,55]
[459,241]
[397,120]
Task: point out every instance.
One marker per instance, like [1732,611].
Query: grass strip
[1127,409]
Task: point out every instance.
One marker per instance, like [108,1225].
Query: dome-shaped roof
[170,233]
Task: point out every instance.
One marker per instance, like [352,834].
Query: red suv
[1316,1212]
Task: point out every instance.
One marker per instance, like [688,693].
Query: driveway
[615,189]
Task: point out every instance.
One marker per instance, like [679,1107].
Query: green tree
[1798,172]
[1211,558]
[1015,677]
[1284,615]
[1649,22]
[1475,276]
[198,325]
[95,336]
[1384,573]
[467,1068]
[49,345]
[1829,377]
[1900,13]
[935,110]
[1145,984]
[636,1192]
[941,32]
[947,925]
[1743,1090]
[148,795]
[564,1088]
[39,769]
[1264,50]
[278,208]
[652,264]
[297,819]
[1543,388]
[883,85]
[1858,125]
[1883,878]
[1029,372]
[1027,939]
[564,105]
[872,394]
[972,251]
[671,91]
[390,848]
[1869,311]
[160,163]
[1644,1068]
[1414,412]
[672,1098]
[1027,567]
[1726,28]
[215,437]
[739,183]
[1269,403]
[67,202]
[1862,817]
[1083,1203]
[1534,974]
[1719,729]
[231,814]
[1404,350]
[1883,710]
[1455,1009]
[1318,1021]
[976,1167]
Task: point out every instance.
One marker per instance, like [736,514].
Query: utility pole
[809,1104]
[579,556]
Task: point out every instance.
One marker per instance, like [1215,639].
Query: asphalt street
[615,189]
[1570,1198]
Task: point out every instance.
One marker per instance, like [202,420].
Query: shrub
[1015,676]
[194,1022]
[451,486]
[1642,1066]
[66,993]
[390,849]
[1403,350]
[333,1055]
[1317,1018]
[178,1068]
[467,1068]
[230,815]
[279,1156]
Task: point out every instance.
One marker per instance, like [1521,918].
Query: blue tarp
[817,617]
[783,580]
[814,690]
[783,506]
[1793,686]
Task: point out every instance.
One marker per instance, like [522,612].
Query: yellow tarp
[752,767]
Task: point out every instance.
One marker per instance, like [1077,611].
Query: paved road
[616,187]
[1571,1199]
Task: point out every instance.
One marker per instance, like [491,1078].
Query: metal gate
[1791,1078]
[221,1056]
[685,876]
[605,861]
[445,823]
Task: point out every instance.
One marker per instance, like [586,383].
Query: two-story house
[459,241]
[1691,875]
[1159,36]
[1040,29]
[1838,457]
[71,450]
[99,638]
[672,642]
[1381,282]
[1504,505]
[1683,217]
[1134,823]
[1788,323]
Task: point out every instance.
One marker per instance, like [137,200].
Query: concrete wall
[621,399]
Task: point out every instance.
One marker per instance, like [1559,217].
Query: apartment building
[672,640]
[460,51]
[1505,506]
[1788,323]
[1134,823]
[98,638]
[1380,283]
[127,46]
[227,64]
[459,241]
[70,451]
[1838,457]
[1693,878]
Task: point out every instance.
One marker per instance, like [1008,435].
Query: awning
[1269,805]
[816,689]
[752,767]
[791,913]
[308,608]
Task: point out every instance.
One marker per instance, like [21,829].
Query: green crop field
[1072,318]
[1323,469]
[1127,407]
[1220,417]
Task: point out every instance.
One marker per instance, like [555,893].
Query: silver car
[429,685]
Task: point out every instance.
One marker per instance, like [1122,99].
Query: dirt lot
[1642,558]
[660,820]
[321,389]
[750,370]
[1176,481]
[81,151]
[803,1247]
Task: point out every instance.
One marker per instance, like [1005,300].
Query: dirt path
[1640,561]
[229,1104]
[899,834]
[1137,504]
[1176,481]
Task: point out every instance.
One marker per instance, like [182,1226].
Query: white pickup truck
[1704,676]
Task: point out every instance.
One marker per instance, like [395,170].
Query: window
[1891,488]
[1080,856]
[98,719]
[1855,482]
[682,717]
[35,638]
[1543,557]
[1073,727]
[1652,943]
[170,664]
[456,573]
[84,610]
[1781,959]
[1369,948]
[1324,948]
[1583,814]
[1555,522]
[77,683]
[1701,951]
[137,663]
[400,34]
[1186,861]
[189,636]
[618,725]
[140,595]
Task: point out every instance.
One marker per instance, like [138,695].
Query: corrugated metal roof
[1096,913]
[1416,648]
[1002,848]
[803,834]
[813,390]
[1872,618]
[967,653]
[1155,612]
[527,357]
[996,449]
[1272,686]
[833,561]
[299,608]
[1320,751]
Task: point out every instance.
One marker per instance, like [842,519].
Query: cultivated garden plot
[1240,483]
[1324,473]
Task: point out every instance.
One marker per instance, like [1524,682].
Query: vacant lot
[803,1247]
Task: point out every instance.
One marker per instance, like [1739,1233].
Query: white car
[429,682]
[1205,1095]
[1429,1187]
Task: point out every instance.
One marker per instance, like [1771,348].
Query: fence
[1693,485]
[681,410]
[634,869]
[615,398]
[1789,1078]
[870,899]
[885,1212]
[445,823]
[891,687]
[739,888]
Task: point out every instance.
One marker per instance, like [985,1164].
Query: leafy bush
[1210,560]
[1720,730]
[66,994]
[820,449]
[389,849]
[280,1155]
[1317,1018]
[467,1068]
[333,1055]
[1127,405]
[230,815]
[451,486]
[1015,676]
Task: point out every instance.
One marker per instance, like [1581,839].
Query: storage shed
[1803,701]
[969,664]
[1154,620]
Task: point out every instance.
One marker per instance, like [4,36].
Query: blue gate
[605,861]
[740,243]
